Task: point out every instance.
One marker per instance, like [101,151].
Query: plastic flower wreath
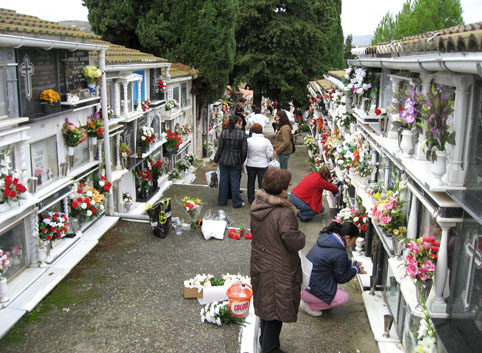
[53,226]
[91,73]
[49,95]
[219,313]
[95,126]
[73,135]
[436,113]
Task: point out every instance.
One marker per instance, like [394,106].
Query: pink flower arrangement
[388,213]
[421,257]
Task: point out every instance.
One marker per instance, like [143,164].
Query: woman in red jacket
[307,196]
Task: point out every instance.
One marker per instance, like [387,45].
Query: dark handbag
[293,145]
[160,216]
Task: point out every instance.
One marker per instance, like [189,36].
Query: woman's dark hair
[233,120]
[325,173]
[276,180]
[346,228]
[257,110]
[283,118]
[257,128]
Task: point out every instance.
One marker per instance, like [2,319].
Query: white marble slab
[376,308]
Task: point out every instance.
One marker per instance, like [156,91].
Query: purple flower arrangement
[412,108]
[436,112]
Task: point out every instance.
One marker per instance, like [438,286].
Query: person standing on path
[275,266]
[283,141]
[260,151]
[307,196]
[230,155]
[330,267]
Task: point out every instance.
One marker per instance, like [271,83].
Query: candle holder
[32,185]
[373,284]
[139,152]
[387,324]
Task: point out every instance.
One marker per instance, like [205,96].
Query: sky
[359,17]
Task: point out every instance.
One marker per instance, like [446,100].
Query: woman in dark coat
[330,267]
[275,265]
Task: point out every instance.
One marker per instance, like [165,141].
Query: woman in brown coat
[275,265]
[283,145]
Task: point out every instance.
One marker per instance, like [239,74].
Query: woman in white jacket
[260,150]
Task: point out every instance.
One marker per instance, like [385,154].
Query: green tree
[419,16]
[281,45]
[348,46]
[199,33]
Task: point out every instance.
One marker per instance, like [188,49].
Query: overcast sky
[359,17]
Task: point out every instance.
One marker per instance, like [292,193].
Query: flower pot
[439,167]
[75,224]
[92,88]
[49,108]
[32,185]
[92,140]
[406,144]
[359,244]
[127,206]
[397,246]
[363,181]
[3,290]
[71,151]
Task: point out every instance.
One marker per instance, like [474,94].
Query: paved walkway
[127,294]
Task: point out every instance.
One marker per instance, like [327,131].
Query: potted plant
[125,151]
[436,112]
[73,135]
[50,101]
[10,187]
[92,74]
[147,137]
[173,141]
[94,128]
[171,104]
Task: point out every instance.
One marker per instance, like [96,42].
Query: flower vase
[423,290]
[406,144]
[92,88]
[42,253]
[75,224]
[439,167]
[3,290]
[125,162]
[397,246]
[363,181]
[71,151]
[127,206]
[93,140]
[4,207]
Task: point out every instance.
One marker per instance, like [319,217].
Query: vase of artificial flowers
[437,111]
[92,74]
[49,101]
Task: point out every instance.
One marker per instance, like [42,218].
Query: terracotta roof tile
[464,38]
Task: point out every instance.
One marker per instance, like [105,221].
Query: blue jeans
[283,160]
[252,173]
[229,175]
[306,212]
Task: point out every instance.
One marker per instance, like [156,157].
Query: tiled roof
[30,26]
[465,38]
[180,70]
[339,74]
[118,54]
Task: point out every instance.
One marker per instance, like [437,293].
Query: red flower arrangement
[162,85]
[53,226]
[143,178]
[173,140]
[235,234]
[11,189]
[103,185]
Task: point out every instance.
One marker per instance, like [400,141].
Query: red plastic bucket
[239,295]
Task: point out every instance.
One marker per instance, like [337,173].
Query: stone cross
[27,69]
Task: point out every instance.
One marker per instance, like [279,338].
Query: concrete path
[127,294]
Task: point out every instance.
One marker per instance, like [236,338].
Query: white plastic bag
[274,164]
[306,267]
[213,229]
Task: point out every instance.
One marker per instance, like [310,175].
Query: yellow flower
[49,95]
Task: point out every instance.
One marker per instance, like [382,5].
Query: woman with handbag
[260,151]
[283,141]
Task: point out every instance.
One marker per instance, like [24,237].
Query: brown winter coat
[275,265]
[282,141]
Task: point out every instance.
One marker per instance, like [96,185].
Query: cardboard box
[192,293]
